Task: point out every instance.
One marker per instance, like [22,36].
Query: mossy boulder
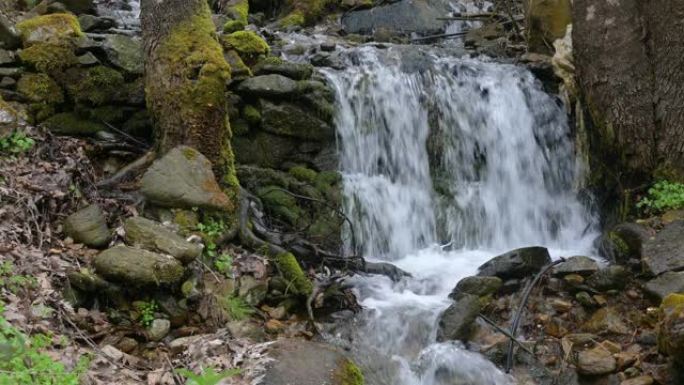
[70,123]
[289,119]
[248,44]
[623,242]
[49,57]
[88,226]
[238,68]
[303,174]
[457,321]
[124,52]
[153,236]
[251,114]
[280,204]
[292,272]
[183,178]
[9,119]
[477,286]
[55,28]
[99,85]
[40,88]
[613,277]
[137,267]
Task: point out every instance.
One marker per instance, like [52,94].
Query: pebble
[600,300]
[159,329]
[561,305]
[596,362]
[274,326]
[585,299]
[574,279]
[641,380]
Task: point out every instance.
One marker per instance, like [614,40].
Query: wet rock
[296,71]
[478,286]
[88,226]
[457,320]
[159,329]
[641,380]
[606,320]
[288,119]
[576,265]
[270,86]
[671,327]
[623,242]
[137,267]
[9,38]
[596,361]
[665,252]
[519,263]
[183,178]
[665,284]
[91,23]
[402,17]
[155,237]
[310,363]
[124,52]
[610,278]
[585,299]
[252,290]
[386,269]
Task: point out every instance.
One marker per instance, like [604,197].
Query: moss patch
[40,88]
[246,43]
[55,28]
[294,19]
[239,11]
[99,86]
[48,57]
[303,174]
[69,123]
[251,115]
[349,374]
[299,284]
[233,26]
[280,204]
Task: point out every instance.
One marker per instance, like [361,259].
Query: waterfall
[439,150]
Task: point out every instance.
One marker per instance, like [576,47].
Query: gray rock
[124,52]
[402,17]
[7,83]
[138,267]
[623,242]
[7,57]
[667,283]
[576,265]
[155,237]
[88,226]
[8,35]
[596,361]
[88,59]
[79,6]
[91,23]
[296,71]
[518,263]
[665,252]
[288,119]
[183,178]
[457,320]
[11,71]
[301,362]
[252,290]
[478,286]
[610,278]
[268,86]
[159,329]
[9,118]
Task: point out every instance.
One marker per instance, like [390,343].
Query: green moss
[233,26]
[240,11]
[251,115]
[246,43]
[275,60]
[190,153]
[100,85]
[349,374]
[55,28]
[303,174]
[109,114]
[293,19]
[289,267]
[69,123]
[280,203]
[48,57]
[305,12]
[621,247]
[40,88]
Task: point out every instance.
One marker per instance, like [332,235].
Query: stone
[7,57]
[91,23]
[574,279]
[576,265]
[456,322]
[641,380]
[296,71]
[55,29]
[665,284]
[478,286]
[124,52]
[9,38]
[88,226]
[560,305]
[252,290]
[671,327]
[159,329]
[183,178]
[87,59]
[595,362]
[610,278]
[270,86]
[546,21]
[79,6]
[7,83]
[665,251]
[400,18]
[519,263]
[153,236]
[274,326]
[181,344]
[672,216]
[9,119]
[585,299]
[606,320]
[288,119]
[623,242]
[301,362]
[138,267]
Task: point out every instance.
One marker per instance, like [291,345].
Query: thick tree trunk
[629,56]
[185,80]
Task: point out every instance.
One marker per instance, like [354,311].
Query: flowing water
[436,151]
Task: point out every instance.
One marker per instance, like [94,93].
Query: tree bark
[185,81]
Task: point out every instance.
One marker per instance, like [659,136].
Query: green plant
[664,195]
[22,361]
[236,307]
[208,377]
[12,281]
[147,310]
[224,264]
[211,228]
[16,143]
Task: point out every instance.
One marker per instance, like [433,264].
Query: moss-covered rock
[40,88]
[124,52]
[247,43]
[238,68]
[70,123]
[138,267]
[289,267]
[303,174]
[9,119]
[305,12]
[671,327]
[88,226]
[99,86]
[54,28]
[233,26]
[153,236]
[280,204]
[49,57]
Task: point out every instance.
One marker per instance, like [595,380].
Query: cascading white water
[441,150]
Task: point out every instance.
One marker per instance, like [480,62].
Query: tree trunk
[185,81]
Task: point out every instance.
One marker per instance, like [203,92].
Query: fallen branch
[506,333]
[129,170]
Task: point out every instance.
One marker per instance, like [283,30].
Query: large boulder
[610,278]
[155,237]
[519,263]
[623,242]
[124,52]
[456,322]
[478,286]
[296,361]
[272,86]
[665,284]
[137,267]
[288,119]
[183,178]
[402,17]
[88,226]
[665,251]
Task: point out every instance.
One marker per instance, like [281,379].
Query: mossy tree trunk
[185,81]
